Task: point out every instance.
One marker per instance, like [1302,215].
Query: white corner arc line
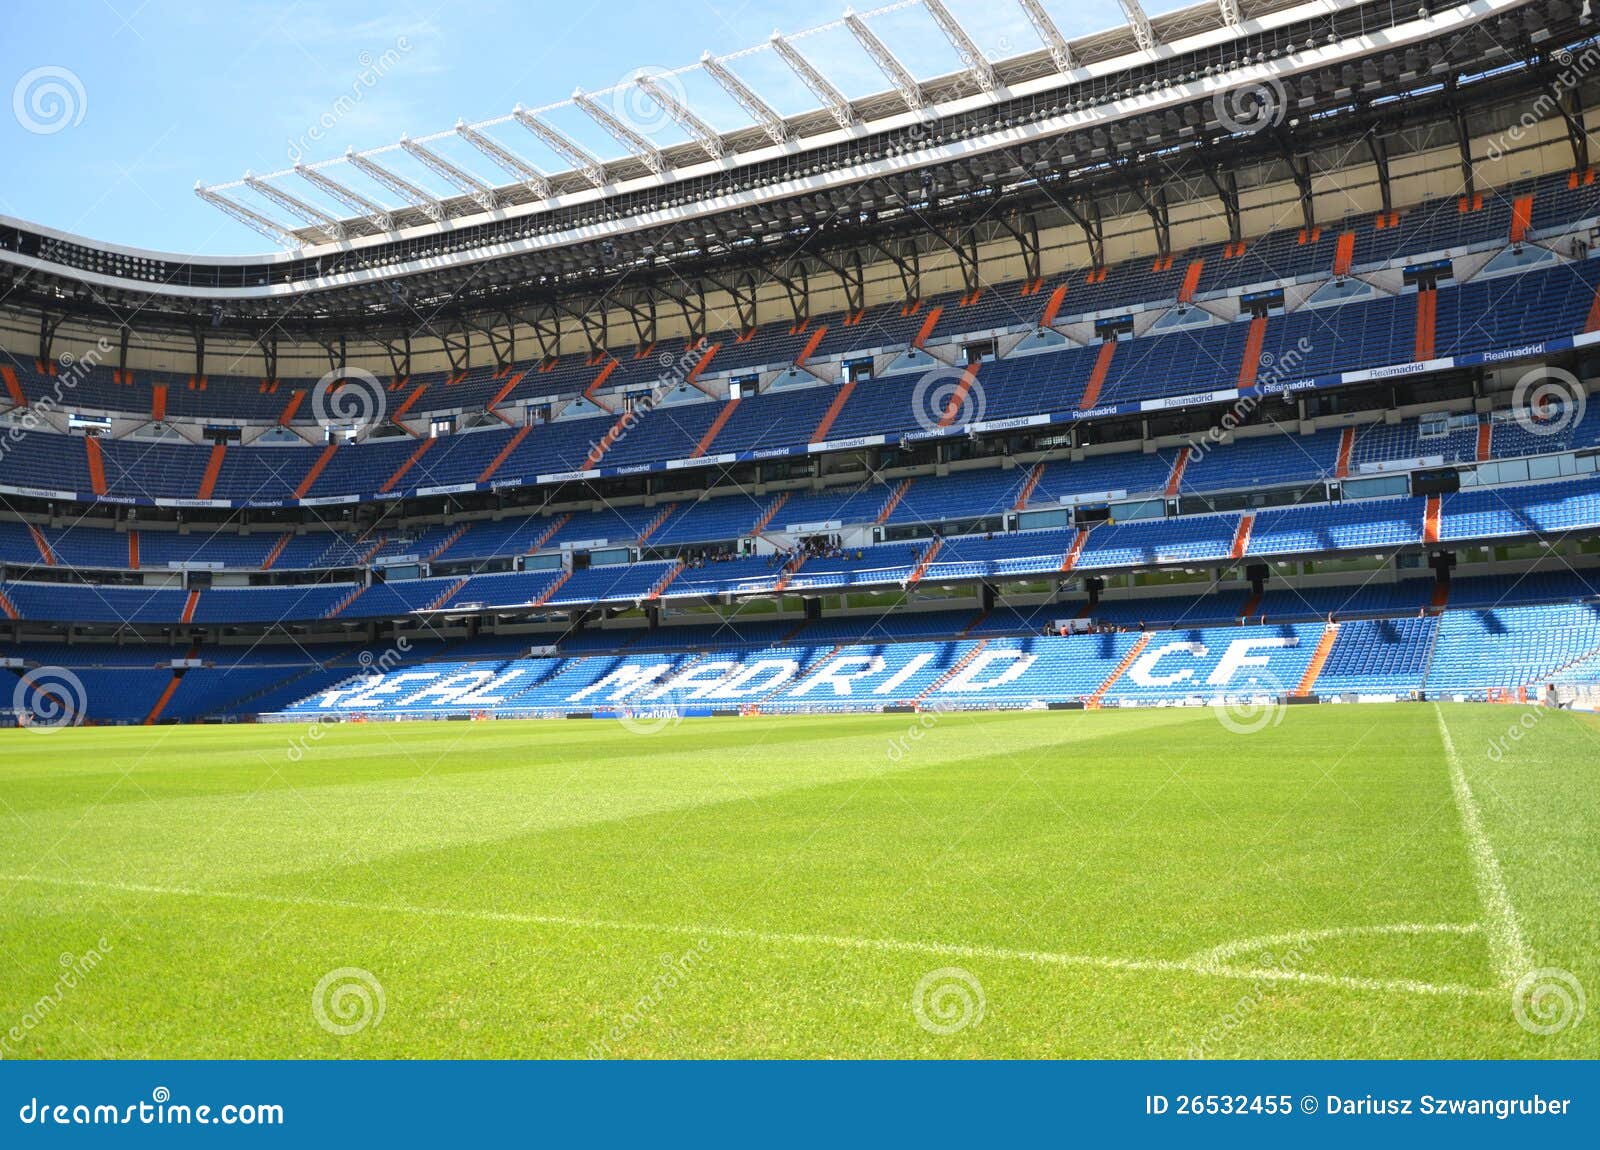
[1217,956]
[1507,948]
[779,938]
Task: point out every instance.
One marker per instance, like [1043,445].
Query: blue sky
[118,106]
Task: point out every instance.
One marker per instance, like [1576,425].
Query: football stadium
[942,533]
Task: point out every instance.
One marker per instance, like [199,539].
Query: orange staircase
[506,389]
[1093,701]
[958,398]
[409,402]
[1347,445]
[450,541]
[316,469]
[609,440]
[1427,311]
[1071,559]
[715,429]
[1052,307]
[338,608]
[1097,377]
[977,620]
[133,551]
[1485,440]
[549,533]
[929,322]
[208,482]
[924,563]
[693,378]
[1028,487]
[7,607]
[158,402]
[1241,535]
[770,513]
[893,501]
[1521,218]
[1179,466]
[841,397]
[505,453]
[97,464]
[13,388]
[655,524]
[277,550]
[811,345]
[43,545]
[1250,361]
[549,592]
[448,594]
[1319,659]
[1344,253]
[286,416]
[1441,597]
[400,472]
[189,604]
[1191,280]
[166,695]
[1430,521]
[960,665]
[789,570]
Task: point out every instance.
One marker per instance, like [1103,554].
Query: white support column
[508,161]
[405,189]
[586,163]
[311,214]
[253,220]
[379,216]
[754,106]
[1230,12]
[703,133]
[1049,34]
[829,96]
[892,69]
[481,193]
[972,58]
[640,147]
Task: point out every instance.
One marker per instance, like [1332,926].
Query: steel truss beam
[641,148]
[482,194]
[251,219]
[754,106]
[329,226]
[377,215]
[585,162]
[893,71]
[827,95]
[405,189]
[972,58]
[1049,34]
[508,161]
[702,132]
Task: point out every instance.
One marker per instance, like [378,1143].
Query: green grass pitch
[1349,881]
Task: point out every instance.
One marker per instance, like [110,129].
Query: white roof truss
[827,95]
[584,161]
[703,133]
[624,135]
[401,187]
[508,161]
[754,106]
[893,71]
[972,58]
[482,194]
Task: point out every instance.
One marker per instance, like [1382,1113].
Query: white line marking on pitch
[775,938]
[1218,955]
[1507,949]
